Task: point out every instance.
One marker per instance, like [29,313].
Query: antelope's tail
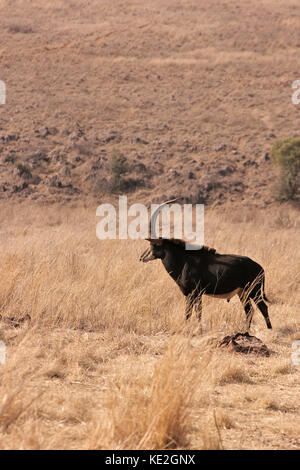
[263,291]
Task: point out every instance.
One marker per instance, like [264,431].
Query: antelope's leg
[198,305]
[188,306]
[260,303]
[245,300]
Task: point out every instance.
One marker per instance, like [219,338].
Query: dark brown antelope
[206,272]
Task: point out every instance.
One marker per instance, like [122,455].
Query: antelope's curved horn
[155,215]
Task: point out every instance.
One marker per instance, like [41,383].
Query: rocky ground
[55,166]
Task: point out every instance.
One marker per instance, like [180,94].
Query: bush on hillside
[286,155]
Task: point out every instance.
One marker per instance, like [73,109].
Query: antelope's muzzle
[147,255]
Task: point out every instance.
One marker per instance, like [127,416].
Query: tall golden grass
[108,361]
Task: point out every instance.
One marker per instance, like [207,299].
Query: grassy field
[108,361]
[193,94]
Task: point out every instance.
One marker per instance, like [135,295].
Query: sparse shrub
[285,187]
[118,164]
[286,154]
[284,368]
[20,28]
[84,148]
[224,421]
[10,158]
[118,168]
[24,170]
[233,373]
[283,219]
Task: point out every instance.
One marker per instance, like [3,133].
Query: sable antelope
[206,272]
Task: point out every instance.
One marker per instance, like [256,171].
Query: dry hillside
[192,93]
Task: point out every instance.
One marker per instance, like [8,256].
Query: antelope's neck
[173,263]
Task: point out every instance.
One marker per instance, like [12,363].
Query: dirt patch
[14,321]
[244,343]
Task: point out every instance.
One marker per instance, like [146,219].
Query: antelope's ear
[155,241]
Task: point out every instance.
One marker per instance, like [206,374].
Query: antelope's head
[156,249]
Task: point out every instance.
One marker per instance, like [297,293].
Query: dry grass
[107,360]
[154,415]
